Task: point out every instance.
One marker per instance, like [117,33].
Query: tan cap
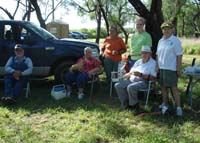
[167,24]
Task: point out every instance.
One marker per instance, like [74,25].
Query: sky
[74,21]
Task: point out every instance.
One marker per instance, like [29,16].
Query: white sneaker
[161,105]
[164,109]
[68,94]
[179,111]
[80,95]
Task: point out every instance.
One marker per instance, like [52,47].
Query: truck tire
[60,71]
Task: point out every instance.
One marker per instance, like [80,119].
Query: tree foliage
[117,12]
[185,14]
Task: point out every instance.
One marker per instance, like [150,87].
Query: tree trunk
[38,13]
[124,31]
[174,21]
[98,11]
[29,13]
[183,26]
[197,34]
[105,19]
[154,19]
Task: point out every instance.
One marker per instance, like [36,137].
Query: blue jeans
[109,66]
[14,87]
[80,78]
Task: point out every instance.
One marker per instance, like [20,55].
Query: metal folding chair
[114,78]
[27,89]
[117,75]
[95,78]
[151,86]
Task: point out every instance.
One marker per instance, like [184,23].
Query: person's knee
[68,77]
[131,89]
[82,77]
[116,85]
[81,80]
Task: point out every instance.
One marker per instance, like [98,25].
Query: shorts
[168,78]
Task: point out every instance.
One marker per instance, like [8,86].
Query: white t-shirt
[148,68]
[167,52]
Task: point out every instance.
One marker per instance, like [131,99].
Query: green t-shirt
[137,41]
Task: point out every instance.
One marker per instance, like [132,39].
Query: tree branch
[7,12]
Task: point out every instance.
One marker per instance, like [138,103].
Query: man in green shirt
[139,39]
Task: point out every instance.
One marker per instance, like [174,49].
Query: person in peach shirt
[112,49]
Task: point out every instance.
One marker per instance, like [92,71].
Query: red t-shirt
[89,63]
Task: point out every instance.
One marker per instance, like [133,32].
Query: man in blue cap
[17,69]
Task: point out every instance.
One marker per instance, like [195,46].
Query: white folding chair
[115,77]
[27,89]
[170,96]
[151,86]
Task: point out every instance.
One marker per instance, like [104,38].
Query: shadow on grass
[40,101]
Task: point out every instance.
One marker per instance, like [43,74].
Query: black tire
[60,71]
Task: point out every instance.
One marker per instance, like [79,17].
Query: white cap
[146,49]
[18,46]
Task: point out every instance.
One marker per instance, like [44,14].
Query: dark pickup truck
[50,55]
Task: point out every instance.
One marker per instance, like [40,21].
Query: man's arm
[29,70]
[8,68]
[179,63]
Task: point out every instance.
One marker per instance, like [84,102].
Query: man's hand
[157,68]
[136,73]
[126,75]
[145,76]
[115,52]
[17,74]
[90,73]
[178,72]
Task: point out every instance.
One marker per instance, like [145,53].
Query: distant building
[58,28]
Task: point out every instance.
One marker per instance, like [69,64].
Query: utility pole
[53,10]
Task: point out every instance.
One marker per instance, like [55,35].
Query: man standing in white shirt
[137,79]
[169,57]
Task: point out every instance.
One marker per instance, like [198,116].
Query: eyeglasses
[139,24]
[18,50]
[112,30]
[166,28]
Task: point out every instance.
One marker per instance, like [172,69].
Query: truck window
[8,35]
[15,33]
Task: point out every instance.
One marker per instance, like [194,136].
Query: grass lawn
[40,119]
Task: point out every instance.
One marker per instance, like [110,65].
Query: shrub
[191,49]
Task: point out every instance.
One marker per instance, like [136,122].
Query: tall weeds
[191,46]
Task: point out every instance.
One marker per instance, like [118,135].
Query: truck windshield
[40,31]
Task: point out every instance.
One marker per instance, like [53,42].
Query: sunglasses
[166,28]
[18,49]
[139,24]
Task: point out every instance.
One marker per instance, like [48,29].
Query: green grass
[94,120]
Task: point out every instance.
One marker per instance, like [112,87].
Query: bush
[92,32]
[191,49]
